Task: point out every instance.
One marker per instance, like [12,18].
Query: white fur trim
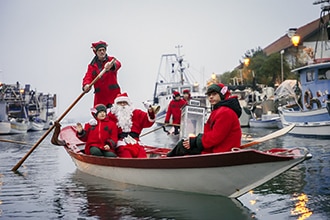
[122,99]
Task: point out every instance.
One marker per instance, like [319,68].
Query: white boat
[36,124]
[19,125]
[308,123]
[4,122]
[266,121]
[229,174]
[19,122]
[173,76]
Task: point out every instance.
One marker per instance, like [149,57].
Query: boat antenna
[324,26]
[180,60]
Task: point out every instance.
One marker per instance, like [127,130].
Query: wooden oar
[59,119]
[275,134]
[156,129]
[12,141]
[151,131]
[167,124]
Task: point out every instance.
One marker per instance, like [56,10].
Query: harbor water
[48,186]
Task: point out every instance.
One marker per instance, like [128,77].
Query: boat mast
[180,60]
[324,26]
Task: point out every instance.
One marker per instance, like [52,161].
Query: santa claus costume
[130,122]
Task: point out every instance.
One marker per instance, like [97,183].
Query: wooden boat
[229,174]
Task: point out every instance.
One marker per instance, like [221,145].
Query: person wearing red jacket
[107,87]
[222,131]
[174,110]
[130,122]
[186,95]
[100,135]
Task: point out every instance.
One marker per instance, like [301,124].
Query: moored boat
[309,112]
[173,75]
[4,122]
[229,174]
[271,122]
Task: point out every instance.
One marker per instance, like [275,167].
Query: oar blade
[270,136]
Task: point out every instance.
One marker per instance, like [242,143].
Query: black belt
[125,134]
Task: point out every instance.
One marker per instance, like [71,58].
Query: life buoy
[317,102]
[307,99]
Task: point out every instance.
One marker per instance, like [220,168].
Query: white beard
[124,116]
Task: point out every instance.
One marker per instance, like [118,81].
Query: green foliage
[265,69]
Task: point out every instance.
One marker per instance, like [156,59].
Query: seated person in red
[222,131]
[130,122]
[101,135]
[174,110]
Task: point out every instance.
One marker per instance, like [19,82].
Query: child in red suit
[101,136]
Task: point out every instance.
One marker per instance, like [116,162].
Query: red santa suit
[130,123]
[99,133]
[174,109]
[106,88]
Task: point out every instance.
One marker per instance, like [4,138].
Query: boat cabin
[315,84]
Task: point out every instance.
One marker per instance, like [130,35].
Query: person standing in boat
[100,135]
[130,122]
[106,88]
[186,95]
[222,131]
[174,111]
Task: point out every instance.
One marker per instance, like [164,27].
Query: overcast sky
[47,43]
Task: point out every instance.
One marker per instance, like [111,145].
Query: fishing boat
[229,174]
[173,75]
[23,109]
[309,111]
[310,114]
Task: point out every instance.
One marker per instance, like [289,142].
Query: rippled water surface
[48,186]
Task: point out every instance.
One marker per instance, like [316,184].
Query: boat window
[310,76]
[324,74]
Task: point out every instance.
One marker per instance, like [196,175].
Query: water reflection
[106,198]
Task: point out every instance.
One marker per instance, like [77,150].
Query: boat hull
[259,123]
[313,123]
[229,174]
[36,126]
[19,127]
[5,127]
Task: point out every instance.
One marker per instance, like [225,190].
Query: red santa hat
[176,93]
[186,91]
[123,97]
[98,45]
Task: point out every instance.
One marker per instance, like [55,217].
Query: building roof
[284,42]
